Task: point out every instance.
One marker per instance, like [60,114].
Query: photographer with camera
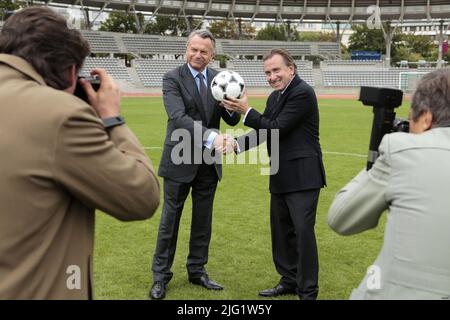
[61,158]
[410,179]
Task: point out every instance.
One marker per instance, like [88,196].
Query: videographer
[60,159]
[410,178]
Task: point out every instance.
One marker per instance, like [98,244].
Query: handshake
[225,143]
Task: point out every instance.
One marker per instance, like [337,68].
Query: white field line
[326,152]
[346,154]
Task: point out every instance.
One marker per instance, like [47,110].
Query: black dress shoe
[277,291]
[206,282]
[158,290]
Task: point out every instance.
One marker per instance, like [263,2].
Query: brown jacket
[57,164]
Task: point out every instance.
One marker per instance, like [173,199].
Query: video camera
[79,91]
[383,101]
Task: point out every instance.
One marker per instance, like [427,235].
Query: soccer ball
[227,83]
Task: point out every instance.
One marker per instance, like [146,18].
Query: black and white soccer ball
[227,83]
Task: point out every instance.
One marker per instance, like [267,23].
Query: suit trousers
[294,248]
[175,193]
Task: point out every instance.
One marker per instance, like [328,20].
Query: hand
[219,143]
[237,105]
[229,144]
[224,143]
[106,101]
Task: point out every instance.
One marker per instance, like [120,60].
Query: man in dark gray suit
[189,161]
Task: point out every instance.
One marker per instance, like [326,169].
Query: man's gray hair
[204,34]
[433,94]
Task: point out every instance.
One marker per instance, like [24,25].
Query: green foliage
[434,56]
[276,32]
[121,22]
[414,48]
[161,25]
[171,26]
[419,44]
[402,53]
[9,5]
[408,47]
[228,29]
[345,53]
[316,36]
[222,60]
[241,225]
[366,39]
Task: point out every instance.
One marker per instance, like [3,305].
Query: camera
[400,125]
[79,91]
[383,101]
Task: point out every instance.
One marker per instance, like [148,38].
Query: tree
[7,6]
[172,26]
[316,36]
[418,44]
[228,29]
[276,32]
[121,22]
[366,39]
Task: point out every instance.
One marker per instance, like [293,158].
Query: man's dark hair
[43,38]
[288,60]
[433,94]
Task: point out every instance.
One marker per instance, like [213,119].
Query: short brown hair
[433,94]
[288,60]
[43,38]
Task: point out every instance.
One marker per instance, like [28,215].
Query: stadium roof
[295,10]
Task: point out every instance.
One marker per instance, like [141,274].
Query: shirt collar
[285,88]
[195,72]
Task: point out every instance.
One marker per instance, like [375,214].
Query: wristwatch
[113,121]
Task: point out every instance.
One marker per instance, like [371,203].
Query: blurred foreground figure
[411,179]
[61,158]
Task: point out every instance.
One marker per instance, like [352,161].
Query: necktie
[203,93]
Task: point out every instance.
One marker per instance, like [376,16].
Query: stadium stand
[253,74]
[333,72]
[151,71]
[250,70]
[109,42]
[341,76]
[258,48]
[351,63]
[101,42]
[378,77]
[114,66]
[147,44]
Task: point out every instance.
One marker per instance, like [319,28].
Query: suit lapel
[280,101]
[191,87]
[211,107]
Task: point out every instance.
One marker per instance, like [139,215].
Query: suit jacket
[57,165]
[296,117]
[410,178]
[186,112]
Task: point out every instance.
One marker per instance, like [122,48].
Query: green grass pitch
[240,251]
